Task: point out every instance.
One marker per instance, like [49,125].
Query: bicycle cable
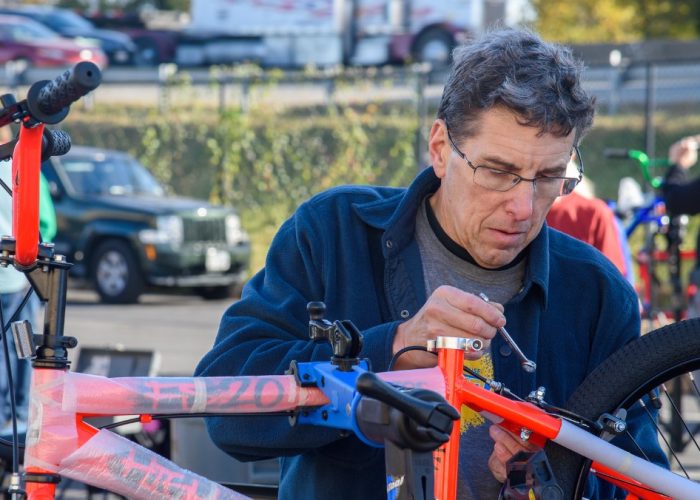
[405,350]
[167,416]
[10,384]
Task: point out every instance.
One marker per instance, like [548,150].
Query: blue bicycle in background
[659,278]
[659,263]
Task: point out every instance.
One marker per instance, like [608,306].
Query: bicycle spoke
[663,437]
[639,448]
[695,385]
[680,417]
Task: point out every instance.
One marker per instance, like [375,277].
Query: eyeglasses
[501,180]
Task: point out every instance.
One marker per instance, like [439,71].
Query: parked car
[118,47]
[28,41]
[123,232]
[154,45]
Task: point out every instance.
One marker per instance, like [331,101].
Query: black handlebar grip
[48,101]
[368,384]
[54,143]
[616,153]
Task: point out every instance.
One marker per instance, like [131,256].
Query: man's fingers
[497,467]
[490,312]
[508,440]
[504,447]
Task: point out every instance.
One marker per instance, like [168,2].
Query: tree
[125,5]
[665,18]
[589,21]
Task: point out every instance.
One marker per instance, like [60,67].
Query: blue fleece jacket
[354,249]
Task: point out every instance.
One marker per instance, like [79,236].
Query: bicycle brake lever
[433,415]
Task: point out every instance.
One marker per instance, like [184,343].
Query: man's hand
[505,446]
[449,312]
[684,152]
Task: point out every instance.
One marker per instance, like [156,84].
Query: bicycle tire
[628,374]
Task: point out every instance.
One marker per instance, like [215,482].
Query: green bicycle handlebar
[644,161]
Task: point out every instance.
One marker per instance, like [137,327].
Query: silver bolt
[525,434]
[620,427]
[474,345]
[348,409]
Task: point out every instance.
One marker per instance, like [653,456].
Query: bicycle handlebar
[616,153]
[48,101]
[640,157]
[54,143]
[438,416]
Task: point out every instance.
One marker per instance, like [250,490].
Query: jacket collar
[396,216]
[398,212]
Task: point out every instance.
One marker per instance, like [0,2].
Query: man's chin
[499,258]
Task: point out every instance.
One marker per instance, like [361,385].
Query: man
[680,193]
[681,196]
[406,265]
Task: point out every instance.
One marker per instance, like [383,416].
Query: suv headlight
[169,229]
[234,232]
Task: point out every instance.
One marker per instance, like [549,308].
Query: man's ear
[439,147]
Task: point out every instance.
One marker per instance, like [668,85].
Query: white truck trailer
[296,33]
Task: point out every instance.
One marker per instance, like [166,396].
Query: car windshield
[60,20]
[27,31]
[113,175]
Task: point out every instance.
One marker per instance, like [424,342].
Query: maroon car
[25,40]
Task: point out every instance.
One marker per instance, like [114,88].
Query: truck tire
[220,292]
[147,53]
[115,273]
[434,46]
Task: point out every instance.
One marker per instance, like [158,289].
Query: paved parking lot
[180,328]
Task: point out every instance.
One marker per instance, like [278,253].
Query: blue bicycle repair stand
[408,423]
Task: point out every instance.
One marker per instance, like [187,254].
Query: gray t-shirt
[443,267]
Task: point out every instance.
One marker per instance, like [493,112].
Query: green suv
[123,233]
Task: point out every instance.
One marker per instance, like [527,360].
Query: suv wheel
[219,292]
[115,273]
[435,47]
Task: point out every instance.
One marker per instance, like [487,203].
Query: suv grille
[204,230]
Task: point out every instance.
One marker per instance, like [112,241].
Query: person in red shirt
[589,219]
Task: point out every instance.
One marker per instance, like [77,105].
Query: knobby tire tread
[635,366]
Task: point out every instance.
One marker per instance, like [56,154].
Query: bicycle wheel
[664,359]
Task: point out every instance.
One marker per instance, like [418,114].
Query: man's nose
[522,199]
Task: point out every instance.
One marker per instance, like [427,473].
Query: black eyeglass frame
[520,178]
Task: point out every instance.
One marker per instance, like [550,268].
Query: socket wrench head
[528,366]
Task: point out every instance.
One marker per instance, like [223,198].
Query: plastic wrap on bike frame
[166,395]
[97,395]
[114,463]
[57,443]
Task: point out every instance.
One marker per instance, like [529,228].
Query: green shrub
[265,161]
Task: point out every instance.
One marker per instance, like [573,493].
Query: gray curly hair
[515,68]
